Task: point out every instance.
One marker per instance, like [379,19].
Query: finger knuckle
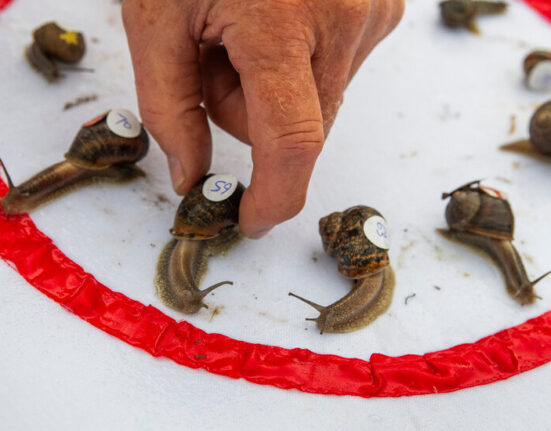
[300,140]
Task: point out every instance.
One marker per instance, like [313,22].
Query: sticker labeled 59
[219,187]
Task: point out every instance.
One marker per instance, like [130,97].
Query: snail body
[202,228]
[98,152]
[358,239]
[540,134]
[462,13]
[52,43]
[537,70]
[480,217]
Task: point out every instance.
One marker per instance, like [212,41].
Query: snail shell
[99,152]
[343,237]
[481,217]
[202,228]
[462,13]
[537,70]
[97,146]
[60,44]
[540,128]
[540,135]
[362,255]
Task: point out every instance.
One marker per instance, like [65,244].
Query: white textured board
[426,113]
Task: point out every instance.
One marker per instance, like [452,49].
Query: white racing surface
[425,114]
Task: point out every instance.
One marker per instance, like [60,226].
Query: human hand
[275,83]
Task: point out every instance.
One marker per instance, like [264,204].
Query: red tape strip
[542,6]
[493,358]
[4,3]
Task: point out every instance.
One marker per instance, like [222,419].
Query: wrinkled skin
[270,72]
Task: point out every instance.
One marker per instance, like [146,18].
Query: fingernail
[177,174]
[260,232]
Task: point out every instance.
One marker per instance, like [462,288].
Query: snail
[537,70]
[358,239]
[52,43]
[540,134]
[105,148]
[462,13]
[480,216]
[205,224]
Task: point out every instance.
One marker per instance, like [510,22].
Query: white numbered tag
[219,187]
[376,231]
[124,123]
[540,76]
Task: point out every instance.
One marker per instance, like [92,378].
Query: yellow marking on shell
[69,37]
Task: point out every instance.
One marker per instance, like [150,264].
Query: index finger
[285,128]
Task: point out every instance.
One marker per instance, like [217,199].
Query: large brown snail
[358,239]
[463,13]
[205,225]
[537,70]
[105,148]
[480,216]
[52,43]
[540,134]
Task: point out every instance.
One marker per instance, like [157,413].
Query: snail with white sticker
[206,224]
[100,151]
[359,239]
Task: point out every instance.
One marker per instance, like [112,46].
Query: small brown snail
[540,134]
[462,13]
[205,225]
[537,70]
[52,43]
[105,148]
[480,216]
[358,239]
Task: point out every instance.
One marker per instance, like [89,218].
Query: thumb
[168,83]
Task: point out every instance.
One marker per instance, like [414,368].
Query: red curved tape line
[4,3]
[542,6]
[493,358]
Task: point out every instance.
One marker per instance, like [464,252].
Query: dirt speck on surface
[466,275]
[315,257]
[512,124]
[437,287]
[516,165]
[217,310]
[272,317]
[413,295]
[528,258]
[504,180]
[80,100]
[409,155]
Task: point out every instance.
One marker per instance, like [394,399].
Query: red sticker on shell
[492,192]
[96,120]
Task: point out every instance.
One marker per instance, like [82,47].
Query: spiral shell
[60,44]
[199,218]
[540,128]
[344,238]
[96,146]
[480,210]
